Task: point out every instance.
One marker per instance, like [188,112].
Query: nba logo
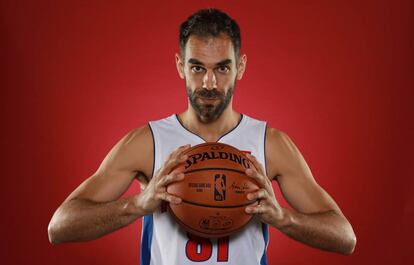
[219,187]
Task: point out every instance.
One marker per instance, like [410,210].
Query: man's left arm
[315,219]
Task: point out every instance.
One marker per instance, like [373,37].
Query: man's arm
[316,219]
[94,208]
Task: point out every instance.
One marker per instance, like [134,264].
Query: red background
[335,75]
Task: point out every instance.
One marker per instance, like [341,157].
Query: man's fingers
[259,178]
[256,164]
[169,198]
[260,194]
[258,209]
[175,158]
[173,162]
[172,177]
[180,149]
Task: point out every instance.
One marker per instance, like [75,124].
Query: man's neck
[210,131]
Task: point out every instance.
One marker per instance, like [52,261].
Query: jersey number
[200,249]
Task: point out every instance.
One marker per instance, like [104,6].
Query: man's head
[210,22]
[210,61]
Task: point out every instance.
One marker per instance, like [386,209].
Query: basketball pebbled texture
[213,191]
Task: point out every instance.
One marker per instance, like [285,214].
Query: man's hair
[210,22]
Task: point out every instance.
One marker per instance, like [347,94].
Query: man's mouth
[208,100]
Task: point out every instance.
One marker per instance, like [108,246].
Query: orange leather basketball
[213,191]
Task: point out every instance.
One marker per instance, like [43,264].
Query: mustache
[205,93]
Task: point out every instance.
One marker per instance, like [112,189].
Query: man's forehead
[209,49]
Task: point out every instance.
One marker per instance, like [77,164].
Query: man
[210,63]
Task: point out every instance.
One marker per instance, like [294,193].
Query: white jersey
[164,242]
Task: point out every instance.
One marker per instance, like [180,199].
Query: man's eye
[197,69]
[223,69]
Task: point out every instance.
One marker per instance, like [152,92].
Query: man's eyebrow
[195,61]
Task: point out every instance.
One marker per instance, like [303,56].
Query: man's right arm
[94,208]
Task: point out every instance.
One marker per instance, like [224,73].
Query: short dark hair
[210,22]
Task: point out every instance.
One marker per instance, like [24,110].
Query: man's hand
[268,209]
[155,192]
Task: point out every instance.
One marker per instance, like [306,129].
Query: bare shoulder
[129,159]
[131,156]
[132,153]
[289,168]
[281,153]
[280,139]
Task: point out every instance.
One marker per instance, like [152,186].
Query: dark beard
[209,112]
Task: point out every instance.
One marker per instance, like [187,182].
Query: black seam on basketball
[214,168]
[216,206]
[195,147]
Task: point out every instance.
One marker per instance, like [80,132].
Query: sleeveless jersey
[164,242]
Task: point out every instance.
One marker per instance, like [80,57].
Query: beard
[208,112]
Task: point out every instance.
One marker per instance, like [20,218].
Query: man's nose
[209,80]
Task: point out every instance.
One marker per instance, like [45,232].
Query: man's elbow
[349,245]
[53,233]
[348,238]
[57,226]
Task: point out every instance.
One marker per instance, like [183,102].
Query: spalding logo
[198,157]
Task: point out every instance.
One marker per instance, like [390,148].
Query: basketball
[213,191]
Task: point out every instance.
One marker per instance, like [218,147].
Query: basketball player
[210,63]
[220,187]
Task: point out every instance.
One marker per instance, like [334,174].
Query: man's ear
[180,65]
[241,66]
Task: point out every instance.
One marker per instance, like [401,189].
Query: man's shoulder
[144,133]
[138,136]
[276,135]
[281,149]
[134,150]
[279,140]
[136,141]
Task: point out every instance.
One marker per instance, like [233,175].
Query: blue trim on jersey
[146,240]
[265,231]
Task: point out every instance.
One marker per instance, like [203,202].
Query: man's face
[210,71]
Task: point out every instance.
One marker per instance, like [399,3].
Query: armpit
[142,179]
